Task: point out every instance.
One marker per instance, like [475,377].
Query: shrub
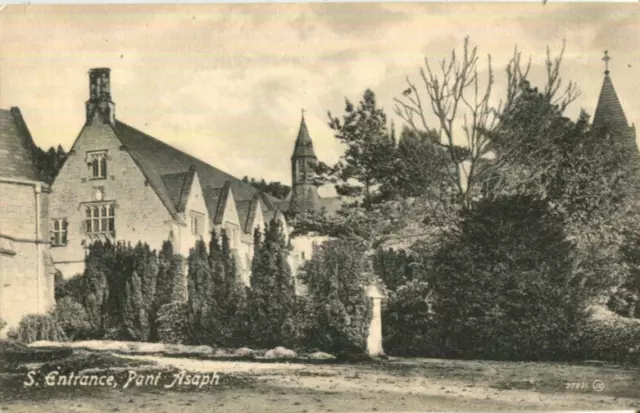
[616,340]
[3,324]
[395,268]
[73,287]
[36,327]
[505,287]
[73,319]
[409,327]
[172,323]
[341,310]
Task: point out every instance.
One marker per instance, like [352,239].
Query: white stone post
[374,339]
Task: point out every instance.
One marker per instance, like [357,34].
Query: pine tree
[369,155]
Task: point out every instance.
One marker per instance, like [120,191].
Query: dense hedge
[172,323]
[36,327]
[72,318]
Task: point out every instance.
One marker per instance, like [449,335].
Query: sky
[227,83]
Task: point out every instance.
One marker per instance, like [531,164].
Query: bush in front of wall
[38,327]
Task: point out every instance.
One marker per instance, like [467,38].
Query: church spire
[304,145]
[609,112]
[304,193]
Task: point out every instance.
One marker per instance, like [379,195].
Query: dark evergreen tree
[340,307]
[203,310]
[502,279]
[48,163]
[369,157]
[96,285]
[272,301]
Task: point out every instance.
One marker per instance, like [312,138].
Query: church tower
[304,193]
[609,115]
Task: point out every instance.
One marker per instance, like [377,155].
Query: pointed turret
[609,114]
[304,193]
[304,145]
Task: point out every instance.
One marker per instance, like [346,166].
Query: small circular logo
[597,385]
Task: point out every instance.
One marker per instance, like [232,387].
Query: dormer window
[98,164]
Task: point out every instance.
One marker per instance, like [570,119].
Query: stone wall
[139,214]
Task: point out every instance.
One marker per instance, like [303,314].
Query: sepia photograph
[319,207]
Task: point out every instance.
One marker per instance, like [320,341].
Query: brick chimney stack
[100,108]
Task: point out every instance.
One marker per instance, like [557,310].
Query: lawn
[299,385]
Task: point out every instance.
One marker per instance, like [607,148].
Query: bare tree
[453,102]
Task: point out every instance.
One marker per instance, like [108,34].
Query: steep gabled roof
[609,112]
[223,198]
[303,145]
[249,210]
[164,166]
[17,157]
[179,187]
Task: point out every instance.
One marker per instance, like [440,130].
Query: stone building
[120,184]
[26,271]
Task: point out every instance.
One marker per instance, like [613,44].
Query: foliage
[72,318]
[97,268]
[169,285]
[203,308]
[455,105]
[395,268]
[274,188]
[408,324]
[123,287]
[616,341]
[506,288]
[366,163]
[3,324]
[48,163]
[341,311]
[625,299]
[418,169]
[272,296]
[36,327]
[232,296]
[172,322]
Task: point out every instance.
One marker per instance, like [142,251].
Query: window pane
[87,226]
[63,238]
[95,168]
[96,225]
[88,212]
[56,224]
[111,212]
[103,167]
[111,225]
